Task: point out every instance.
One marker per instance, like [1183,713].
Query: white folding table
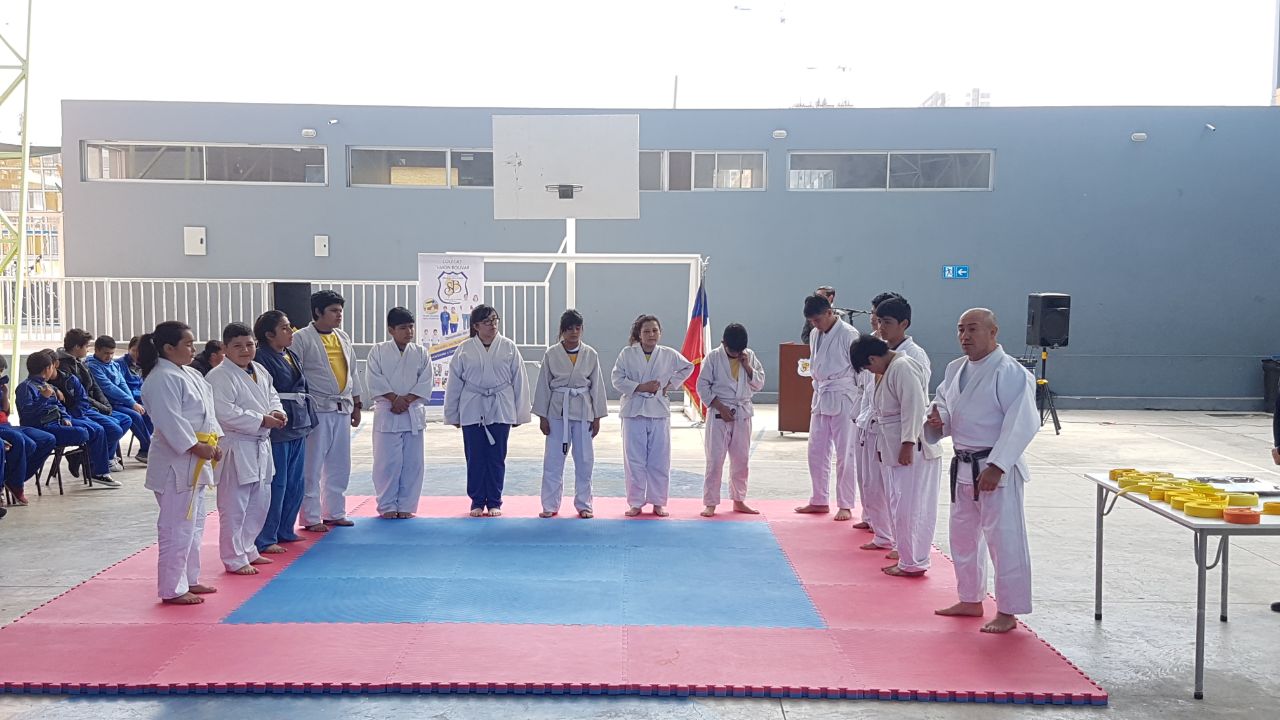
[1202,529]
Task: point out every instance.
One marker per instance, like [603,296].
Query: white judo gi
[875,496]
[398,439]
[835,405]
[180,404]
[570,395]
[716,382]
[871,476]
[990,405]
[646,420]
[327,463]
[901,405]
[486,386]
[241,401]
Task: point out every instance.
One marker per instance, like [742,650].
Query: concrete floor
[1142,653]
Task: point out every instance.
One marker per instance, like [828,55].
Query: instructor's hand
[989,478]
[595,430]
[544,425]
[355,418]
[1275,455]
[906,453]
[935,418]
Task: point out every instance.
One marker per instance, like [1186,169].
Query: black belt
[973,457]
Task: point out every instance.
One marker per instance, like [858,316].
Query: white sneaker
[117,466]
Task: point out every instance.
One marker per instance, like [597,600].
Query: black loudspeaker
[293,299]
[1048,319]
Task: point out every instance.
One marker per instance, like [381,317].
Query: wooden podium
[795,393]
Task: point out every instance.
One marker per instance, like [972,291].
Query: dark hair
[896,308]
[323,299]
[399,316]
[151,345]
[210,348]
[52,355]
[133,341]
[479,314]
[4,363]
[815,305]
[735,337]
[862,349]
[233,331]
[75,338]
[38,362]
[570,319]
[104,342]
[267,322]
[875,301]
[638,325]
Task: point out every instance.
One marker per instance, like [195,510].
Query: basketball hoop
[565,192]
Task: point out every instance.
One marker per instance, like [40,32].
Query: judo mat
[774,605]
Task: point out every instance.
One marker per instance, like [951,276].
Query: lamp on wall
[308,132]
[1138,137]
[779,134]
[333,121]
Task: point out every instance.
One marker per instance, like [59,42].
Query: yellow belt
[210,439]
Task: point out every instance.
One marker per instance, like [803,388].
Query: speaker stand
[1044,396]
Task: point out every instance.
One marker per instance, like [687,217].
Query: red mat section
[882,640]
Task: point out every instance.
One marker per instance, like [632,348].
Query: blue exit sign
[955,272]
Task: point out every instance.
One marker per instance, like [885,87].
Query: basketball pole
[570,245]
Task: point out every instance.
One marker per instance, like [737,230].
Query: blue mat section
[525,570]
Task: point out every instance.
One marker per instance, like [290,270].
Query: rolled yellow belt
[1271,508]
[1242,499]
[204,439]
[1204,509]
[1117,473]
[1180,500]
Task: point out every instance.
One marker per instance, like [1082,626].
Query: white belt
[488,395]
[296,397]
[568,392]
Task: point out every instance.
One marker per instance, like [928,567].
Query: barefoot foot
[864,525]
[547,514]
[261,561]
[708,511]
[586,514]
[660,511]
[317,528]
[389,515]
[893,555]
[896,571]
[961,609]
[632,512]
[477,512]
[1001,623]
[495,512]
[404,515]
[812,509]
[843,515]
[246,570]
[199,589]
[871,546]
[184,599]
[273,549]
[741,507]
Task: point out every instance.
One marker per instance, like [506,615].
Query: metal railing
[124,307]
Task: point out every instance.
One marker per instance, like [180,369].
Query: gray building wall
[1168,247]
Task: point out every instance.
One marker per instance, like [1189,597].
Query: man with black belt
[986,403]
[844,314]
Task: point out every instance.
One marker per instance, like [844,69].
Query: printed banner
[449,287]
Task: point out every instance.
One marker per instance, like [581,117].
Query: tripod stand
[1044,396]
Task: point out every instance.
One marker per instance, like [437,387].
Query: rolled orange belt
[1242,516]
[1271,508]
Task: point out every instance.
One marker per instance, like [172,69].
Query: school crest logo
[452,287]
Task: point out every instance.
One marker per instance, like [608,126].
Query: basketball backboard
[566,166]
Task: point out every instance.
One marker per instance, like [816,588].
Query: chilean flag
[695,348]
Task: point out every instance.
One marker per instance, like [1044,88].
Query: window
[421,167]
[890,171]
[950,171]
[143,162]
[650,170]
[838,171]
[714,170]
[258,164]
[205,163]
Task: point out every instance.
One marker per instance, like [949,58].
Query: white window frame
[448,167]
[662,170]
[715,170]
[85,144]
[888,163]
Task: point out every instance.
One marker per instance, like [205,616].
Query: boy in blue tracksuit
[26,448]
[39,406]
[108,376]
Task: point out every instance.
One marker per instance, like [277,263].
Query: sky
[615,54]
